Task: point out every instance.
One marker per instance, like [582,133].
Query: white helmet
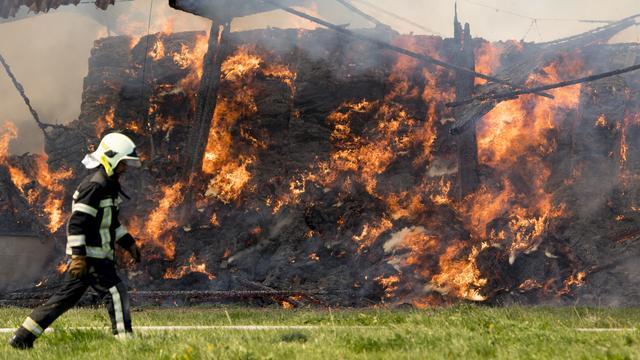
[113,148]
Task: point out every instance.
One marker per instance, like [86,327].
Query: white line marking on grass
[214,327]
[605,329]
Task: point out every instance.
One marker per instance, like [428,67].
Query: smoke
[28,254]
[49,52]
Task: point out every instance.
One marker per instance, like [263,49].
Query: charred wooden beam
[513,94]
[363,14]
[612,28]
[467,144]
[398,17]
[205,108]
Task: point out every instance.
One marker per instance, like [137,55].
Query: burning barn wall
[330,166]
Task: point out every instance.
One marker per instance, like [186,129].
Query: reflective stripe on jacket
[93,227]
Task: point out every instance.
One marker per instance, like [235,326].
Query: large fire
[230,171]
[49,189]
[386,168]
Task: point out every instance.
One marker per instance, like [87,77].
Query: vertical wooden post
[205,109]
[465,83]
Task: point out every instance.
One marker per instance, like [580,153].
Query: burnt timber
[467,145]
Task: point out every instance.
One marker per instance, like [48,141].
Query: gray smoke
[49,52]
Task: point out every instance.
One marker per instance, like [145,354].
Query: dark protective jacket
[94,227]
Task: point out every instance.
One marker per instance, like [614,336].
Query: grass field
[462,332]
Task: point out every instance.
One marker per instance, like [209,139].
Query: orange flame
[191,266]
[160,223]
[192,58]
[106,122]
[9,132]
[50,188]
[389,284]
[230,171]
[62,267]
[157,51]
[488,59]
[458,274]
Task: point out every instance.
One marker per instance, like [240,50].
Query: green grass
[462,332]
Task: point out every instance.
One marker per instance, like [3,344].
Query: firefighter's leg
[119,310]
[40,318]
[110,285]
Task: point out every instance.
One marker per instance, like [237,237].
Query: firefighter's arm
[126,241]
[86,201]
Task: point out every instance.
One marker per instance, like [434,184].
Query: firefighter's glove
[134,251]
[78,267]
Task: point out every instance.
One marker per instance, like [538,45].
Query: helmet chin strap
[106,165]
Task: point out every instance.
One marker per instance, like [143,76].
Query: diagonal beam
[516,93]
[424,58]
[370,18]
[24,96]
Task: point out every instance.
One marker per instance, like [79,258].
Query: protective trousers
[102,277]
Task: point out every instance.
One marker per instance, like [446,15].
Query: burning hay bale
[330,166]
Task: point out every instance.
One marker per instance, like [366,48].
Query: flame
[133,126]
[49,191]
[488,59]
[629,121]
[160,223]
[395,132]
[514,135]
[286,305]
[18,178]
[241,64]
[370,140]
[230,180]
[167,27]
[192,58]
[459,275]
[106,122]
[62,267]
[191,266]
[530,284]
[602,121]
[52,182]
[440,193]
[576,279]
[229,169]
[157,51]
[389,284]
[9,133]
[371,232]
[214,220]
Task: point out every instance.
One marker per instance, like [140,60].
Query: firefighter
[92,232]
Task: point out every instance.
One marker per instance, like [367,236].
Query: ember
[190,267]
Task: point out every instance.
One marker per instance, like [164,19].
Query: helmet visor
[132,159]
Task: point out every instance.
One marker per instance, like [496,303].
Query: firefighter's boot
[22,339]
